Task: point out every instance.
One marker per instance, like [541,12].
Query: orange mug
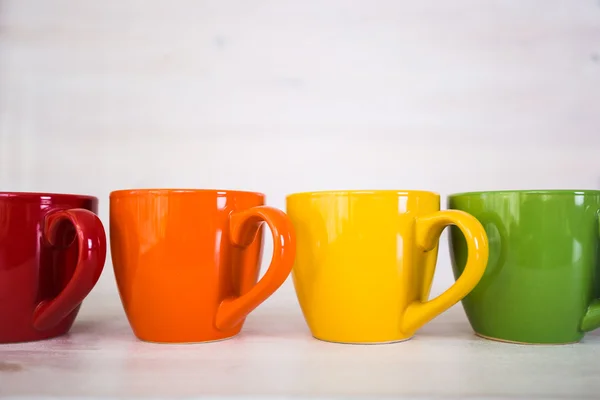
[187,262]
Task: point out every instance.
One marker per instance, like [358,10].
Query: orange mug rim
[163,191]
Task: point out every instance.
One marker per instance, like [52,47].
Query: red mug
[52,252]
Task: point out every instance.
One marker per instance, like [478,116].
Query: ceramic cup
[541,285]
[187,261]
[366,259]
[52,253]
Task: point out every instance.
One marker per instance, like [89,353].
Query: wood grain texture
[305,95]
[503,70]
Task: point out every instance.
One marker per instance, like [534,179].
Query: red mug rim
[40,195]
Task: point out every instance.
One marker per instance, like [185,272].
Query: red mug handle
[91,240]
[244,228]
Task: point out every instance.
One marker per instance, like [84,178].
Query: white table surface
[276,357]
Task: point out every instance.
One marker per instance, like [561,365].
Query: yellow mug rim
[363,192]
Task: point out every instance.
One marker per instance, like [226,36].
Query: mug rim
[163,191]
[359,192]
[529,192]
[39,195]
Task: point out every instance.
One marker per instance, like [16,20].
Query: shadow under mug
[541,285]
[52,253]
[187,261]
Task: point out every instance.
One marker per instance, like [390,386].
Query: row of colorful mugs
[187,262]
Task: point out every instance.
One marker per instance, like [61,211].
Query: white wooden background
[284,96]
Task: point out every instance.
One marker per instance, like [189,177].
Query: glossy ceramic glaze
[366,259]
[187,261]
[542,277]
[52,252]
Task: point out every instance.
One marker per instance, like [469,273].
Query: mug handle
[91,240]
[244,226]
[591,319]
[428,231]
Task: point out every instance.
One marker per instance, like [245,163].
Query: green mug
[541,284]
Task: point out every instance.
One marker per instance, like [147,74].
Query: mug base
[363,343]
[31,335]
[31,339]
[495,339]
[188,342]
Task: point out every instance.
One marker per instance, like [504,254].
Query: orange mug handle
[244,226]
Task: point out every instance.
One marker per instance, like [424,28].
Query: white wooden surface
[286,96]
[276,356]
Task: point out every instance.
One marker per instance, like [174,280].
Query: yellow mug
[365,262]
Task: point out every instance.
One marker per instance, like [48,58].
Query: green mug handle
[591,319]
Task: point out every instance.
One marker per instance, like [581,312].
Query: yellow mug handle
[428,231]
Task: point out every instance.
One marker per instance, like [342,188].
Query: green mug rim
[539,192]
